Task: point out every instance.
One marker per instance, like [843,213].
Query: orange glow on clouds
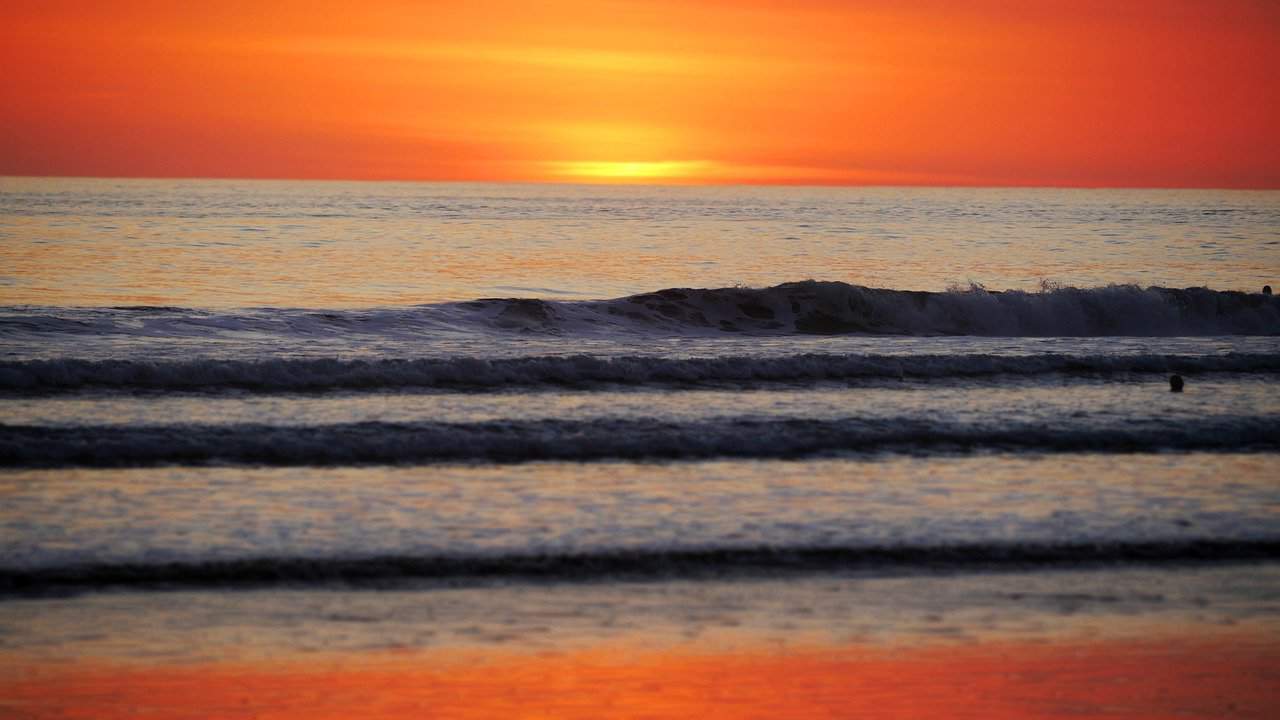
[1039,92]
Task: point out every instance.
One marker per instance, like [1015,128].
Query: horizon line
[674,184]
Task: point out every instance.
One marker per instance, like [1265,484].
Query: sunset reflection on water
[1198,675]
[1116,643]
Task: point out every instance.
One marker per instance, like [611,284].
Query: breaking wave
[807,307]
[836,308]
[383,571]
[578,371]
[509,441]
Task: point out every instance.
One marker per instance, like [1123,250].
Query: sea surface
[282,420]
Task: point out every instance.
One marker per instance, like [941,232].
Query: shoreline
[1150,643]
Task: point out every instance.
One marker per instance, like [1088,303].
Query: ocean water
[780,411]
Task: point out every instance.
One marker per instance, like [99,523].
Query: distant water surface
[209,243]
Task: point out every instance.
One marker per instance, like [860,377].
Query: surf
[807,307]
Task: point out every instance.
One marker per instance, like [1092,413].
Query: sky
[1141,93]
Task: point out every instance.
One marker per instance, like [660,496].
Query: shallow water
[1132,643]
[248,423]
[743,403]
[982,508]
[911,609]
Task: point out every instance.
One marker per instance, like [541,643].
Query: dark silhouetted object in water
[1266,289]
[1175,383]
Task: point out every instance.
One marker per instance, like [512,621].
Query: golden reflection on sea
[1192,674]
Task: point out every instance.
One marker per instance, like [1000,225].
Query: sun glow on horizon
[629,171]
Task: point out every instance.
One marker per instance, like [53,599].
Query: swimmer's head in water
[1175,383]
[1266,289]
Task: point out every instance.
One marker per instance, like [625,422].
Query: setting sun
[1167,93]
[636,171]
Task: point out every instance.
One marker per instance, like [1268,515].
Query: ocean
[568,451]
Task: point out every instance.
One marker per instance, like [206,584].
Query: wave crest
[806,308]
[717,562]
[515,441]
[579,371]
[812,307]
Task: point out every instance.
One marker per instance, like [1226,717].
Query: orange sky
[986,92]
